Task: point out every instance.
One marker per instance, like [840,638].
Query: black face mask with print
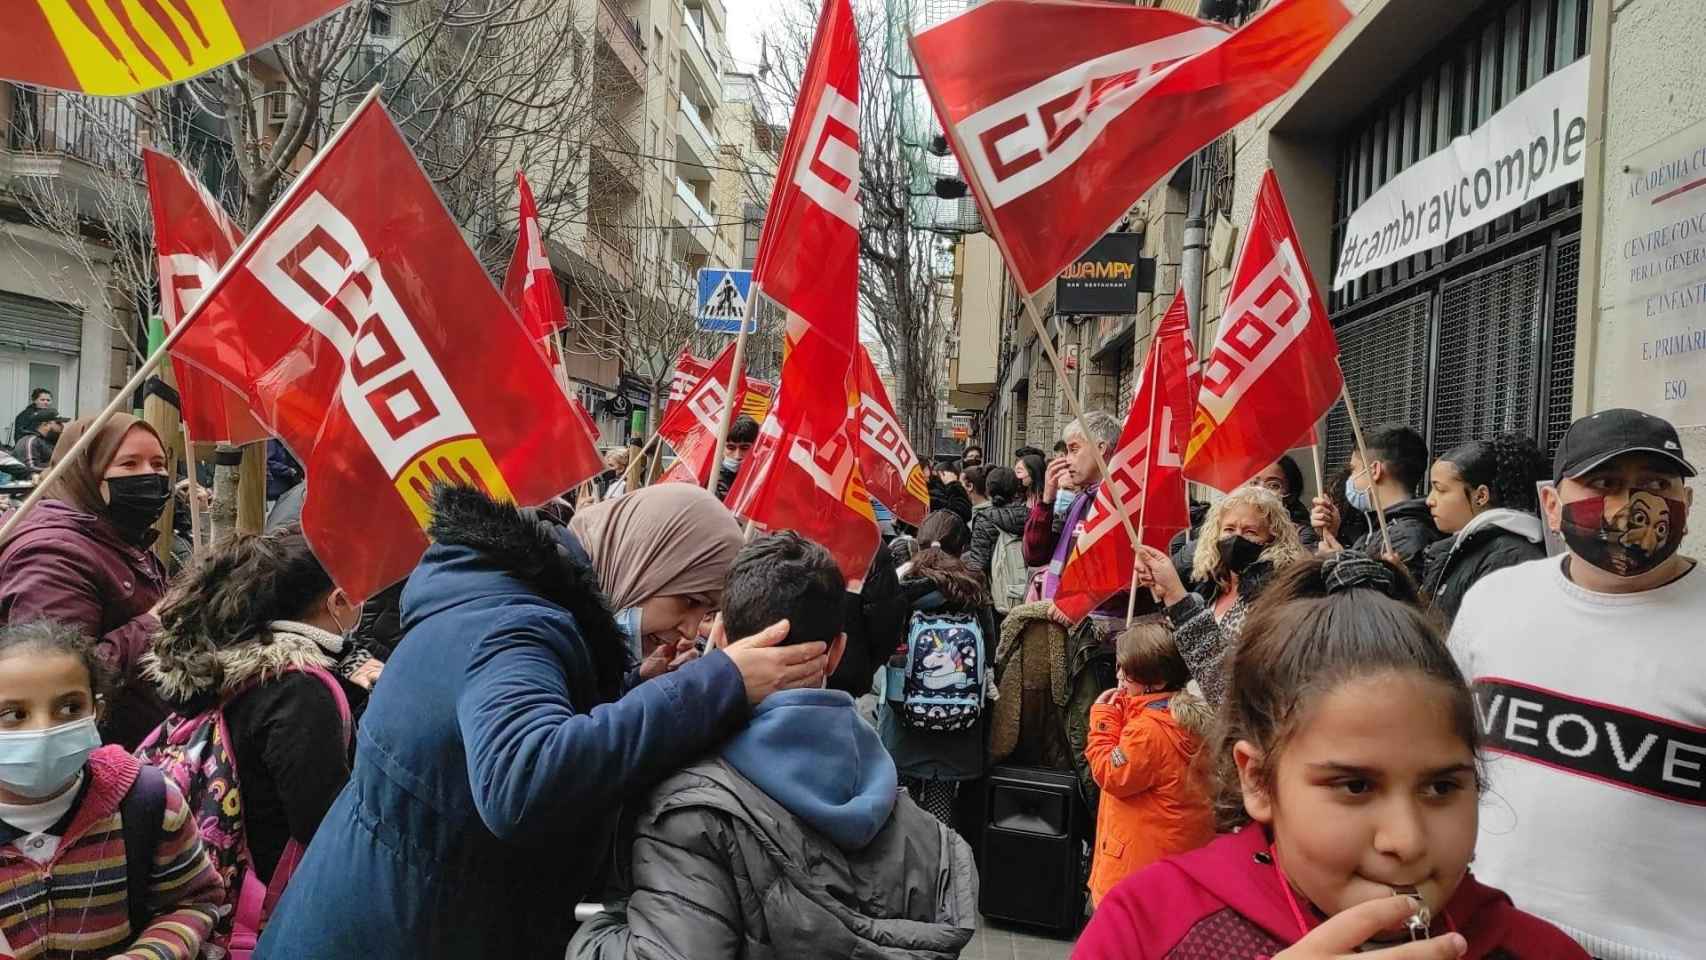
[135,503]
[1238,554]
[1644,533]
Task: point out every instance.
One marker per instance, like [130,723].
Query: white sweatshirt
[1593,709]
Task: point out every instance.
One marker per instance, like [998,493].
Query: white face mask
[39,763]
[1063,501]
[629,621]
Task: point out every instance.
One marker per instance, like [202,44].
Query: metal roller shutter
[1561,354]
[27,323]
[1384,356]
[1486,376]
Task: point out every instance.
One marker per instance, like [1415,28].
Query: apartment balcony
[611,249]
[700,235]
[697,146]
[44,128]
[618,152]
[619,37]
[698,67]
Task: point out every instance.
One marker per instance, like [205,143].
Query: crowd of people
[1385,718]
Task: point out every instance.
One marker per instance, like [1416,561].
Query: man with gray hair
[1049,535]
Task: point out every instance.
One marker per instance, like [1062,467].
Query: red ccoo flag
[1064,113]
[892,471]
[530,285]
[192,239]
[803,474]
[358,323]
[691,425]
[1274,369]
[688,370]
[1147,475]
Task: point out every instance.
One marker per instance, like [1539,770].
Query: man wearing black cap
[36,448]
[1590,692]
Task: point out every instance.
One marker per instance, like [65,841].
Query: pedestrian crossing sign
[722,300]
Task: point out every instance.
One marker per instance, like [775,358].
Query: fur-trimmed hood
[536,558]
[185,671]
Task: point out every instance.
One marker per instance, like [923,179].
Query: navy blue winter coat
[491,761]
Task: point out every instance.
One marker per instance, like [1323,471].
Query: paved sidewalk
[996,941]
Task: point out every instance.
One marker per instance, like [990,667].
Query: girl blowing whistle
[1345,758]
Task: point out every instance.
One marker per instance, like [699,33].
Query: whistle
[1420,922]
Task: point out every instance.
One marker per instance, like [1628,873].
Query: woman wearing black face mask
[1247,536]
[82,558]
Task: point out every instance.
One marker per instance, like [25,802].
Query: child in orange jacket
[1151,807]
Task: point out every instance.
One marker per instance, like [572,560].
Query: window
[379,21]
[751,230]
[278,106]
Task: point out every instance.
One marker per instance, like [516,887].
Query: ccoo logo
[1027,139]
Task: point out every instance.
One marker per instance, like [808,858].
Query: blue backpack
[943,687]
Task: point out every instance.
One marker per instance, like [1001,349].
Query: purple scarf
[1068,536]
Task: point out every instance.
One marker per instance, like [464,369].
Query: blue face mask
[731,464]
[1357,497]
[39,763]
[1063,501]
[629,621]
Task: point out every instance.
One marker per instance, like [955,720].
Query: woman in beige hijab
[661,555]
[511,723]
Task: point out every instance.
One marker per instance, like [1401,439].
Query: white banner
[1536,143]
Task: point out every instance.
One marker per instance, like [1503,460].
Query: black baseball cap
[47,415]
[1601,436]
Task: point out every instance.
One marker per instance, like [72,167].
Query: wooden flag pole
[1148,464]
[152,361]
[1078,413]
[1362,451]
[737,371]
[195,495]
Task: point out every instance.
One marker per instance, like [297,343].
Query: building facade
[1577,298]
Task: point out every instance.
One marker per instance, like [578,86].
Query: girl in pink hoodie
[1345,758]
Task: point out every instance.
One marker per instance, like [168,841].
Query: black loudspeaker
[1035,834]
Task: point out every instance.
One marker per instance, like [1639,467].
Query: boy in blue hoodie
[738,854]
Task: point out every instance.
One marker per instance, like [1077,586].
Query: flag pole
[195,494]
[1148,467]
[152,362]
[642,455]
[731,399]
[1362,451]
[1078,413]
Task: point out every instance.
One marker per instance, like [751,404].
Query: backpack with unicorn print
[943,687]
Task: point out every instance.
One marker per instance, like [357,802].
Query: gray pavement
[996,941]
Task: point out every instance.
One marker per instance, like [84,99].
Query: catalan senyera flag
[193,237]
[1145,473]
[368,337]
[1064,113]
[1274,369]
[804,472]
[121,47]
[892,471]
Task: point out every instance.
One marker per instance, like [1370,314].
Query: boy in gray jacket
[793,840]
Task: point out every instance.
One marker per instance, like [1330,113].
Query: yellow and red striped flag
[120,47]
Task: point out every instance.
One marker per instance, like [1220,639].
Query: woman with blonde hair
[1246,537]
